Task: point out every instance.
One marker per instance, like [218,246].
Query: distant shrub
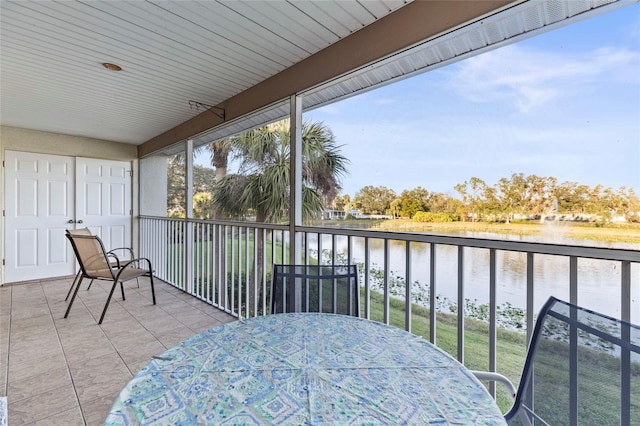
[427,217]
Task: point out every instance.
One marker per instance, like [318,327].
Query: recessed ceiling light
[111,67]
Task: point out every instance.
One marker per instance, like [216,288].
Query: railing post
[530,297]
[461,304]
[492,318]
[407,307]
[432,293]
[387,265]
[573,342]
[625,355]
[367,289]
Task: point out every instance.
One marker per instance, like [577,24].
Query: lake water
[598,280]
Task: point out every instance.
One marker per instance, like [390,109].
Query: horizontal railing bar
[259,225]
[602,253]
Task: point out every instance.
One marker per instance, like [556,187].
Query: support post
[188,208]
[295,192]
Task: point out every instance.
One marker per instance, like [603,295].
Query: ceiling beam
[409,25]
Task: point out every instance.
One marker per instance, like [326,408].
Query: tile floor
[57,371]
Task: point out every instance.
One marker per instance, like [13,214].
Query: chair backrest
[582,367]
[79,231]
[90,253]
[315,288]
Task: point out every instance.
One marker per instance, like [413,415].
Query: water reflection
[598,280]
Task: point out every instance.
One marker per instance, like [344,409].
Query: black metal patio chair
[315,288]
[582,368]
[95,265]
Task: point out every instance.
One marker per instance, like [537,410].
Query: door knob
[80,221]
[70,221]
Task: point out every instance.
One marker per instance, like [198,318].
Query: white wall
[153,186]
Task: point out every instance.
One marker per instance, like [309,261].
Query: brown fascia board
[406,27]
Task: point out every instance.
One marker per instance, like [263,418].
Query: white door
[103,200]
[47,194]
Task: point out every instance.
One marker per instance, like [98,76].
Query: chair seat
[131,273]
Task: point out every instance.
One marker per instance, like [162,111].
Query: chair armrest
[496,377]
[129,249]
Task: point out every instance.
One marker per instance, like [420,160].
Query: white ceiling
[171,52]
[51,77]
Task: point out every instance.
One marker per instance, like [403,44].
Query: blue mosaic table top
[304,369]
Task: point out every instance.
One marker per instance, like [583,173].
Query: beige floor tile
[223,317]
[203,323]
[160,322]
[141,352]
[81,351]
[5,298]
[19,322]
[4,383]
[95,411]
[72,334]
[29,309]
[72,417]
[100,377]
[52,379]
[35,351]
[135,366]
[32,344]
[176,307]
[23,369]
[106,386]
[170,338]
[41,406]
[124,330]
[133,339]
[42,328]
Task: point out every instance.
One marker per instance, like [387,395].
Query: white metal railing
[228,264]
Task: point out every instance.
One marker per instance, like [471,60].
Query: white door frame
[45,195]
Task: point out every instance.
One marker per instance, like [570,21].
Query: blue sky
[565,103]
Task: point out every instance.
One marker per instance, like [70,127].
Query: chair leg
[75,293]
[89,285]
[153,292]
[106,305]
[122,290]
[73,284]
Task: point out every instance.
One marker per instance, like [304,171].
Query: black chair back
[582,368]
[315,288]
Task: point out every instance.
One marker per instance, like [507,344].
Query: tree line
[517,197]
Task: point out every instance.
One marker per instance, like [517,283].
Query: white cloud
[529,79]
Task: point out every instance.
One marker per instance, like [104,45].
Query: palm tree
[219,152]
[262,184]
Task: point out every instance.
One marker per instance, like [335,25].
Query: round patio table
[304,369]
